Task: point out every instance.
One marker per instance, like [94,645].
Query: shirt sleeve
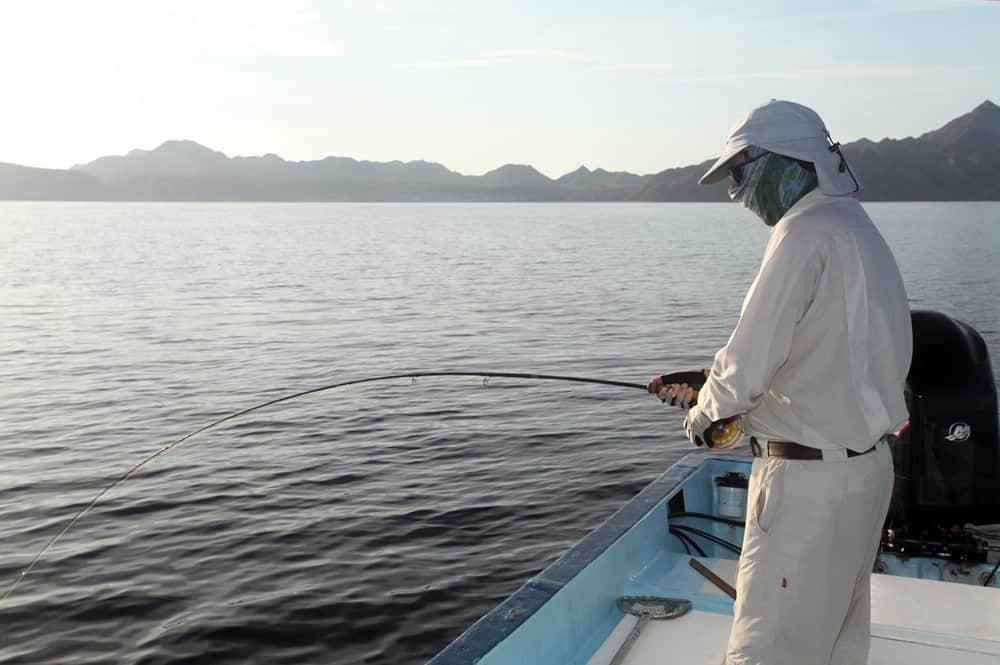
[759,345]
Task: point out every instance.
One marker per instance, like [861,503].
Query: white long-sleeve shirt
[823,344]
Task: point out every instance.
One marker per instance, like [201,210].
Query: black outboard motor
[948,460]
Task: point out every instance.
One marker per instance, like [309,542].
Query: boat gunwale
[495,626]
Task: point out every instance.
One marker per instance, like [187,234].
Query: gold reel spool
[724,433]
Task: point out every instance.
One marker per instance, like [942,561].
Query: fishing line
[413,376]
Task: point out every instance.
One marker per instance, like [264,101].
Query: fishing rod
[413,376]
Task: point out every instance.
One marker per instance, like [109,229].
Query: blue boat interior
[633,553]
[604,566]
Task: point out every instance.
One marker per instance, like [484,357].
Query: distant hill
[959,161]
[31,184]
[516,175]
[603,185]
[681,184]
[584,178]
[188,159]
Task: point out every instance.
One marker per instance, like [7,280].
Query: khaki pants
[804,581]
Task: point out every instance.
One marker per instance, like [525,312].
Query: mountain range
[959,161]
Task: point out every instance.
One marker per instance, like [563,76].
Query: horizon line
[77,166]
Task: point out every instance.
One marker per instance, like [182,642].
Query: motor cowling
[948,460]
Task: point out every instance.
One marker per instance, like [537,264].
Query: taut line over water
[173,444]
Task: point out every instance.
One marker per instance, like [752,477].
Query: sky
[634,86]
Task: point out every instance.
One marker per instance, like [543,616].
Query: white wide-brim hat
[793,130]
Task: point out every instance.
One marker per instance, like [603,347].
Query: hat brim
[718,170]
[832,180]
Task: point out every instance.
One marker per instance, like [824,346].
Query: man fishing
[816,367]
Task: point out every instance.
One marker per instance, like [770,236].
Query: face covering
[772,184]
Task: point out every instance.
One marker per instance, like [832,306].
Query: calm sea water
[368,525]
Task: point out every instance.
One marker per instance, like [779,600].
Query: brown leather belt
[792,450]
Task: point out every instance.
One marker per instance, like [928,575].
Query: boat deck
[923,612]
[914,621]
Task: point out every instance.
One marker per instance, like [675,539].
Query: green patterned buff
[775,184]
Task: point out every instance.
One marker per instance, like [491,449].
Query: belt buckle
[755,447]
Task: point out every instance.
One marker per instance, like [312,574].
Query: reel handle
[720,434]
[695,379]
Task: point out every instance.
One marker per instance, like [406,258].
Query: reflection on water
[368,525]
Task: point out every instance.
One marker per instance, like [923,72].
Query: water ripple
[370,525]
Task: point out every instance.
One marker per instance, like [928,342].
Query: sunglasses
[736,171]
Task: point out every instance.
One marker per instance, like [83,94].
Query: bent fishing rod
[413,376]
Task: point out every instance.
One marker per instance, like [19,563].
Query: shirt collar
[810,200]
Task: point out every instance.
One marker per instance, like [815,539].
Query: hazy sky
[637,86]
